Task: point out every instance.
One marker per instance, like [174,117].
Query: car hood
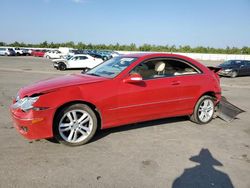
[52,84]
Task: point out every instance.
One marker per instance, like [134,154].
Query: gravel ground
[165,153]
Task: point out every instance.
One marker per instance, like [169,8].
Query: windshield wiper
[93,74]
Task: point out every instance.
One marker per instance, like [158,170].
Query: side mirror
[133,78]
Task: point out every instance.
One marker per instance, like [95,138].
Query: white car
[83,61]
[18,51]
[53,54]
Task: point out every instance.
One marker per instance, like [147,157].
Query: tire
[69,131]
[234,74]
[202,110]
[62,66]
[5,54]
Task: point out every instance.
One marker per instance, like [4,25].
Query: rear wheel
[62,66]
[75,125]
[204,110]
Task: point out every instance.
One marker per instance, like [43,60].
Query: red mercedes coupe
[123,90]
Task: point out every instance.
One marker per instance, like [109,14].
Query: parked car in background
[38,53]
[54,54]
[114,54]
[18,51]
[80,51]
[26,52]
[61,63]
[234,68]
[109,53]
[6,51]
[83,61]
[123,90]
[98,56]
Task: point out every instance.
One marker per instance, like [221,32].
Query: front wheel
[234,74]
[75,125]
[62,66]
[203,111]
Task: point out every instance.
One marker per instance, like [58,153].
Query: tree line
[134,47]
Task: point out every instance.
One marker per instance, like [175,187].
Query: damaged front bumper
[225,73]
[227,111]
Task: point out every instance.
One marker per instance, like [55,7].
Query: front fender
[58,97]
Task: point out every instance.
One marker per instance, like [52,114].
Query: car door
[73,62]
[190,79]
[247,67]
[58,54]
[156,96]
[240,67]
[53,54]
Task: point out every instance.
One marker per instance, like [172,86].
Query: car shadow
[203,175]
[103,133]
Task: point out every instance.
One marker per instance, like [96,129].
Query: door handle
[176,83]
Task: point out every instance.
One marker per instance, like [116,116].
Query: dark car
[234,68]
[98,56]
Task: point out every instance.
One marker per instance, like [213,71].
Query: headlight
[228,70]
[25,103]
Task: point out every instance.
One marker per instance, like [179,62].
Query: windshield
[230,62]
[112,67]
[69,57]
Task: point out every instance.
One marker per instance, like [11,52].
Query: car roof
[81,55]
[153,55]
[235,60]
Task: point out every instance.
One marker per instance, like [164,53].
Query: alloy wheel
[206,110]
[75,126]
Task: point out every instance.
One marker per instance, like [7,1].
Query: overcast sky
[215,23]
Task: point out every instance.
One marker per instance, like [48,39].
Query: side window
[247,63]
[83,57]
[183,68]
[239,63]
[158,68]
